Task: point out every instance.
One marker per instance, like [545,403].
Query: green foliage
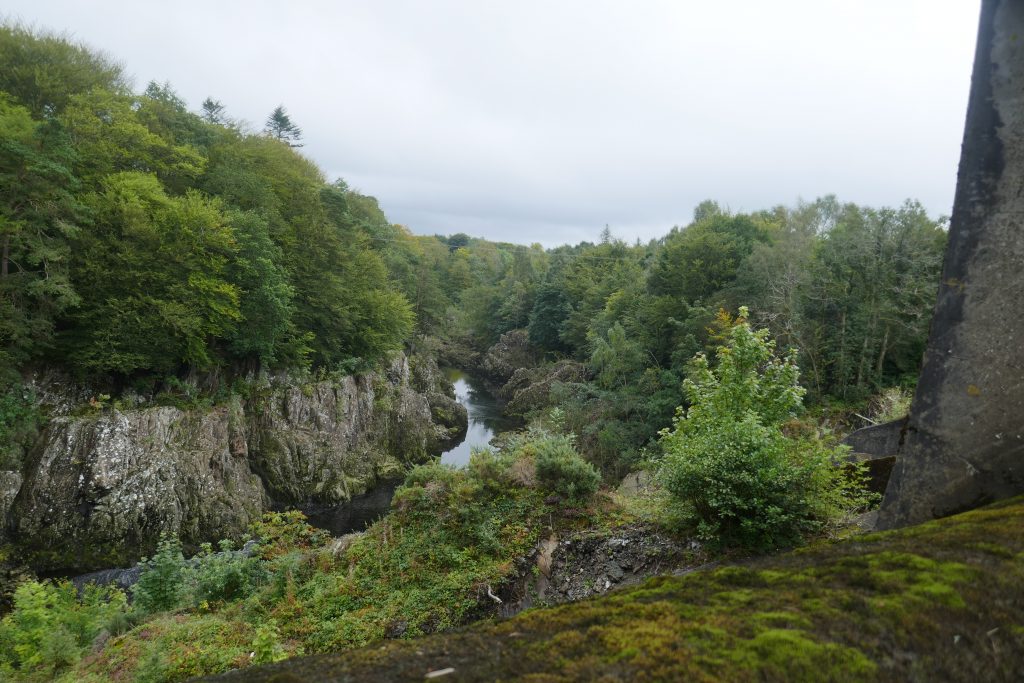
[161,585]
[748,483]
[223,576]
[37,218]
[281,127]
[282,532]
[831,612]
[561,470]
[43,70]
[702,259]
[891,404]
[161,243]
[266,645]
[50,626]
[19,421]
[155,269]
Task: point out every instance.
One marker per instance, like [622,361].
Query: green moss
[886,606]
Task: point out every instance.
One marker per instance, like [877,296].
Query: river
[485,416]
[485,420]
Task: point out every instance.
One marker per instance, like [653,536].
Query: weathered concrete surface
[964,444]
[877,441]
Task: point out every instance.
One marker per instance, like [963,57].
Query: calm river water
[485,417]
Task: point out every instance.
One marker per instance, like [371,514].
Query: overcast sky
[543,121]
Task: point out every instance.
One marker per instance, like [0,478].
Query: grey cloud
[543,121]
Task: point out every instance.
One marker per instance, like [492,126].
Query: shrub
[727,457]
[224,576]
[562,470]
[161,585]
[280,533]
[50,625]
[892,404]
[19,422]
[266,645]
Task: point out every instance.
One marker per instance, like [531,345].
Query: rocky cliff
[98,489]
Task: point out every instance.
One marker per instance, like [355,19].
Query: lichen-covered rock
[511,352]
[529,389]
[447,413]
[100,489]
[311,442]
[592,562]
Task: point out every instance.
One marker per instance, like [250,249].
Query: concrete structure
[963,444]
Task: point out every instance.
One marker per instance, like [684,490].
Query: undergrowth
[432,564]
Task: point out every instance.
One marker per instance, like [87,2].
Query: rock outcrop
[588,563]
[511,352]
[100,488]
[964,440]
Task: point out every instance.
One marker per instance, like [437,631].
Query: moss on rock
[942,601]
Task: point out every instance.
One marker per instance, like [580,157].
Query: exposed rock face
[511,352]
[877,441]
[530,388]
[964,442]
[591,563]
[100,489]
[10,484]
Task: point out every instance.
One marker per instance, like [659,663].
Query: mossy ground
[941,601]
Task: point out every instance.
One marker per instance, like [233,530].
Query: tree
[213,111]
[152,271]
[43,71]
[697,262]
[728,459]
[549,311]
[280,127]
[38,213]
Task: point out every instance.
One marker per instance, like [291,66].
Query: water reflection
[485,416]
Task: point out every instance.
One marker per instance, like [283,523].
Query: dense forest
[143,242]
[153,250]
[849,287]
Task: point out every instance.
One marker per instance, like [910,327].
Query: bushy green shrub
[727,456]
[224,576]
[892,404]
[161,585]
[282,532]
[51,626]
[562,470]
[266,645]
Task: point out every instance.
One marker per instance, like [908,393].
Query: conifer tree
[280,127]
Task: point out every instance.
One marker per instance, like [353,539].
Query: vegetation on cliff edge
[941,601]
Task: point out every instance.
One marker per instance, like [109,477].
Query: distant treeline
[850,287]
